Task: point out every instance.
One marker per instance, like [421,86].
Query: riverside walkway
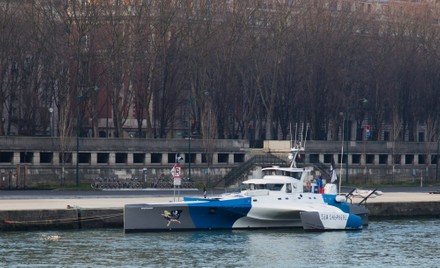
[34,202]
[119,202]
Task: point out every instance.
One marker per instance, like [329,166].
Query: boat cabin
[277,180]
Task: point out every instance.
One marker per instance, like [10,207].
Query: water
[396,243]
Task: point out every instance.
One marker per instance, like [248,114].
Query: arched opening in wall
[46,157]
[314,158]
[433,159]
[328,158]
[238,158]
[386,135]
[356,158]
[383,159]
[84,158]
[421,136]
[6,157]
[342,159]
[369,158]
[102,158]
[187,158]
[409,159]
[26,157]
[223,158]
[156,158]
[422,159]
[138,158]
[66,158]
[172,158]
[396,159]
[121,158]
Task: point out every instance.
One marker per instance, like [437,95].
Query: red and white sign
[176,171]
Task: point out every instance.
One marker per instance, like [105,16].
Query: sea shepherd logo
[171,216]
[333,216]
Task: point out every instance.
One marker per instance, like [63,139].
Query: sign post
[176,171]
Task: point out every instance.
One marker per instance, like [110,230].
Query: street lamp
[347,116]
[77,139]
[51,121]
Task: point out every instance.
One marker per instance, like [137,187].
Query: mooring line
[66,220]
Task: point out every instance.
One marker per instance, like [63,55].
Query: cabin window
[255,186]
[288,188]
[274,186]
[296,175]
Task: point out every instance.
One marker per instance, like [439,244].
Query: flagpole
[342,154]
[340,170]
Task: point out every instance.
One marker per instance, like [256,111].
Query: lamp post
[438,140]
[77,139]
[347,129]
[84,94]
[190,99]
[107,114]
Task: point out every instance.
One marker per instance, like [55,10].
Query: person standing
[319,185]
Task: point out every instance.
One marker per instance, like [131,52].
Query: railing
[239,172]
[324,169]
[105,183]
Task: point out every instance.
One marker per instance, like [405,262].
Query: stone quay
[107,212]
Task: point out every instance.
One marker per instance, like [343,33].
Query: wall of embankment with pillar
[27,162]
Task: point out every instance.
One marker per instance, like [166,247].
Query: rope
[68,220]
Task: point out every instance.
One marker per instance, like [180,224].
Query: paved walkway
[119,202]
[65,203]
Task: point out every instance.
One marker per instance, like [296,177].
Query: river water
[394,243]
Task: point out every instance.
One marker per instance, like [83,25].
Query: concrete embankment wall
[75,218]
[406,210]
[57,219]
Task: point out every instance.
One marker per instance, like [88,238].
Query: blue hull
[235,213]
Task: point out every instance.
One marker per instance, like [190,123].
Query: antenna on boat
[291,138]
[296,147]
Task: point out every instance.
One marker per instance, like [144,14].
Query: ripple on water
[396,243]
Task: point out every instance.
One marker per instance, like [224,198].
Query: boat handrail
[365,198]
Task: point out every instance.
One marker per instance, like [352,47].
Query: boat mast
[297,146]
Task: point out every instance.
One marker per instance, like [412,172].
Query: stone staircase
[262,159]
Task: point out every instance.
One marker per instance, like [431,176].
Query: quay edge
[78,218]
[60,219]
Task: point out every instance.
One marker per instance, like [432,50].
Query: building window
[102,158]
[26,157]
[156,158]
[369,159]
[223,158]
[138,158]
[84,158]
[46,158]
[121,158]
[238,158]
[383,159]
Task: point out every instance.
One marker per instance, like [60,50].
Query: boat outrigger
[277,200]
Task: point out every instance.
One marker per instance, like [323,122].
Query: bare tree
[10,22]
